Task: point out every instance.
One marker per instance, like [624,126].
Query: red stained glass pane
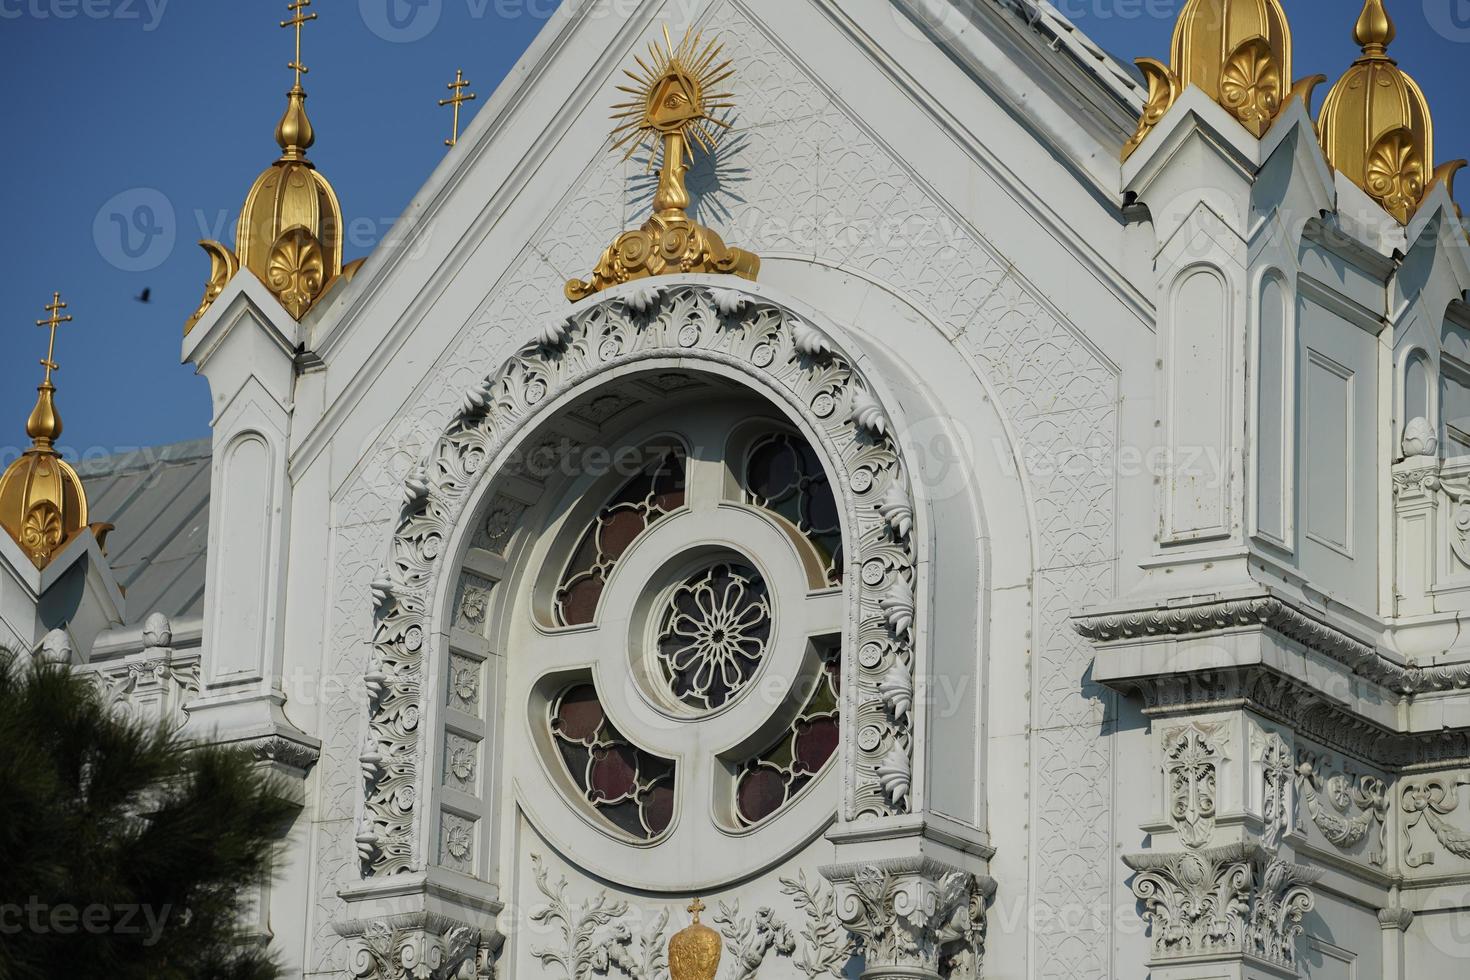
[816,740]
[658,809]
[579,603]
[620,528]
[761,792]
[614,773]
[579,715]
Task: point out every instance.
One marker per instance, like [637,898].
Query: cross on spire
[299,19]
[696,907]
[458,98]
[54,320]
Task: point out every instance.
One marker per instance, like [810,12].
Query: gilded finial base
[667,244]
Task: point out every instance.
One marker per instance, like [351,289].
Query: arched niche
[761,351]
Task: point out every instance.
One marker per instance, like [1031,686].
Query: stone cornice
[1270,612]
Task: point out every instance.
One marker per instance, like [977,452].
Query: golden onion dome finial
[1238,52]
[290,229]
[694,951]
[1376,126]
[42,501]
[1375,29]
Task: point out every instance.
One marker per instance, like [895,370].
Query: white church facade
[952,506]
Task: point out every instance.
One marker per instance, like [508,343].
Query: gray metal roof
[158,498]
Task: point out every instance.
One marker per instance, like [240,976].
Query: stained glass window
[637,506]
[784,475]
[767,781]
[714,636]
[632,789]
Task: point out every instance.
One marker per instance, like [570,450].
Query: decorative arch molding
[736,331]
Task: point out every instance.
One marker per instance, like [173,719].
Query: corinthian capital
[420,946]
[913,917]
[1239,901]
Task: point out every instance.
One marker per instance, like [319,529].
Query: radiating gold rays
[671,97]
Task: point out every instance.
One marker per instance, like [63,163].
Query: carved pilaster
[1239,902]
[913,917]
[1416,536]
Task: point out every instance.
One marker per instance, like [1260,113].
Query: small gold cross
[55,320]
[457,87]
[298,20]
[696,907]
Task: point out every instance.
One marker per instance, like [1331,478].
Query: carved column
[913,918]
[1394,922]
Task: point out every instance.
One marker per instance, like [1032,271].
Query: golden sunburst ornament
[671,113]
[669,97]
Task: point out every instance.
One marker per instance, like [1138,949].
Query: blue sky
[135,127]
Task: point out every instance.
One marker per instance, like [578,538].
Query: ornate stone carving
[1234,900]
[750,938]
[420,946]
[1275,614]
[594,940]
[826,945]
[151,687]
[684,322]
[1276,774]
[913,918]
[1344,807]
[1298,705]
[1429,801]
[1191,759]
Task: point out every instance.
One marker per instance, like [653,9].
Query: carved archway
[741,333]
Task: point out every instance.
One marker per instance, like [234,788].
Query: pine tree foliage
[125,853]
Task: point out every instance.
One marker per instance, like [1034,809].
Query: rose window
[714,635]
[683,654]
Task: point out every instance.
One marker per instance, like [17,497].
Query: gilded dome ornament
[290,229]
[671,113]
[1376,126]
[694,951]
[42,502]
[1238,52]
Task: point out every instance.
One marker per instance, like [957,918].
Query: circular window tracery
[715,630]
[672,579]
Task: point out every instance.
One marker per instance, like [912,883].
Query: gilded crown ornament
[290,229]
[1375,124]
[694,951]
[42,502]
[672,112]
[1238,52]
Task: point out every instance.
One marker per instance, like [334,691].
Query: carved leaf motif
[41,533]
[1251,86]
[296,270]
[828,947]
[1395,173]
[222,268]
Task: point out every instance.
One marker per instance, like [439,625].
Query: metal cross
[55,320]
[696,907]
[457,86]
[298,20]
